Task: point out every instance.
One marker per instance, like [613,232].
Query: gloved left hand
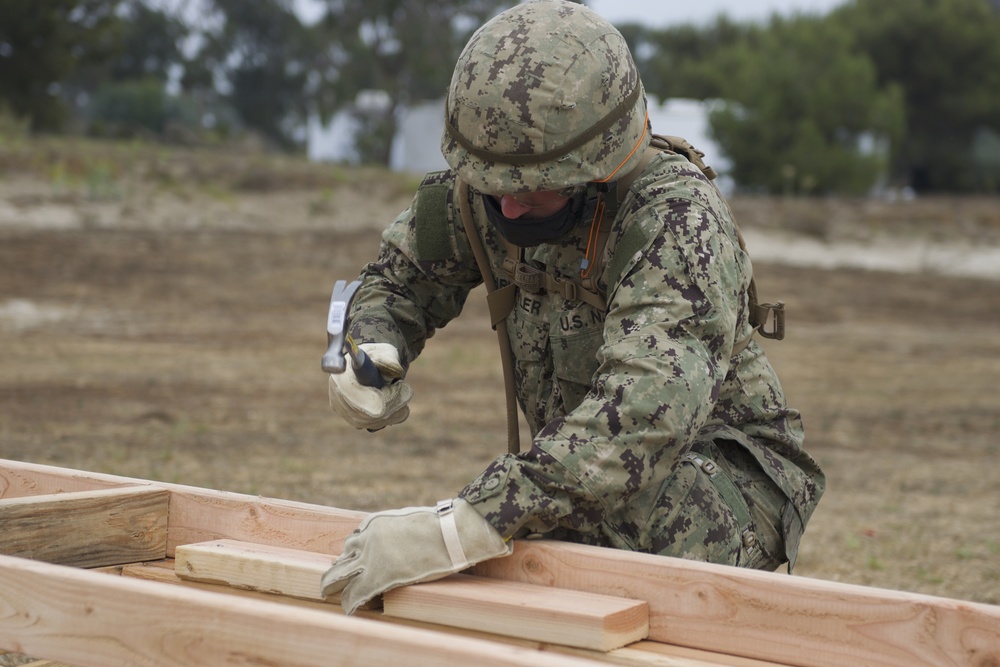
[411,545]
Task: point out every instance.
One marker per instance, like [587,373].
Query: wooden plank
[255,567]
[671,654]
[163,572]
[87,528]
[584,620]
[557,616]
[765,615]
[197,515]
[640,654]
[92,619]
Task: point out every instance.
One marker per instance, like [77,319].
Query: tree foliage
[682,61]
[43,43]
[803,114]
[150,44]
[124,93]
[263,61]
[403,48]
[919,75]
[945,57]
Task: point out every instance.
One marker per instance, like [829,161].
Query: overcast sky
[659,13]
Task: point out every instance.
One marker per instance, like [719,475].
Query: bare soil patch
[162,316]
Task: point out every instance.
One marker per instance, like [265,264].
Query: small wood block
[553,615]
[87,528]
[255,567]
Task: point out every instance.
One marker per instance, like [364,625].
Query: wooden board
[640,654]
[255,567]
[765,616]
[196,514]
[87,528]
[572,618]
[93,619]
[557,616]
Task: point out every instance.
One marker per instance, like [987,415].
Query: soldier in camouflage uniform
[658,425]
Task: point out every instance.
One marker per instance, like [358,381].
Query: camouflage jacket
[613,399]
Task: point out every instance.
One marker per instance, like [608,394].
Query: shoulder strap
[497,300]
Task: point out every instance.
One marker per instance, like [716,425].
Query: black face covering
[526,233]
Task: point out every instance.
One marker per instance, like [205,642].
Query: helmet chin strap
[602,199]
[603,196]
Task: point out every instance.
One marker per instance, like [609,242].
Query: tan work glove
[408,546]
[368,407]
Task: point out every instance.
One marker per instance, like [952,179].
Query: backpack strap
[494,297]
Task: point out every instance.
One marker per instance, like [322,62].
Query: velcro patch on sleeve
[633,240]
[432,237]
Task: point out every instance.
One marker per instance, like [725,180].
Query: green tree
[682,61]
[150,44]
[262,59]
[404,48]
[802,111]
[945,56]
[43,43]
[125,93]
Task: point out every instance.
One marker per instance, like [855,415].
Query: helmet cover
[544,96]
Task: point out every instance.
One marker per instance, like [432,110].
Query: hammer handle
[365,369]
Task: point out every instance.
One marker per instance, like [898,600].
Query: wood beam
[198,515]
[640,654]
[552,615]
[765,615]
[87,528]
[255,567]
[92,619]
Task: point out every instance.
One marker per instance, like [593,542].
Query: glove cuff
[468,537]
[449,531]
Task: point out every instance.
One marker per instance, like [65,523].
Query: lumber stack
[217,578]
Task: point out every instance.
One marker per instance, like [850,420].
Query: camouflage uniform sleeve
[668,339]
[422,276]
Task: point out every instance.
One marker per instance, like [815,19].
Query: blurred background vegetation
[894,93]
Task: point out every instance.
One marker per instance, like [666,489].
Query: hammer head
[336,326]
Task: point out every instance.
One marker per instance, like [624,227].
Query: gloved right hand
[367,407]
[410,545]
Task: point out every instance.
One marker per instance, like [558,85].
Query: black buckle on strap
[775,313]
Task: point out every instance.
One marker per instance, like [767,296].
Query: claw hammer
[339,341]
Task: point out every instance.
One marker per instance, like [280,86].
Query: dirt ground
[162,316]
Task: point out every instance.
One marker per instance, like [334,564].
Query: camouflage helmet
[544,96]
